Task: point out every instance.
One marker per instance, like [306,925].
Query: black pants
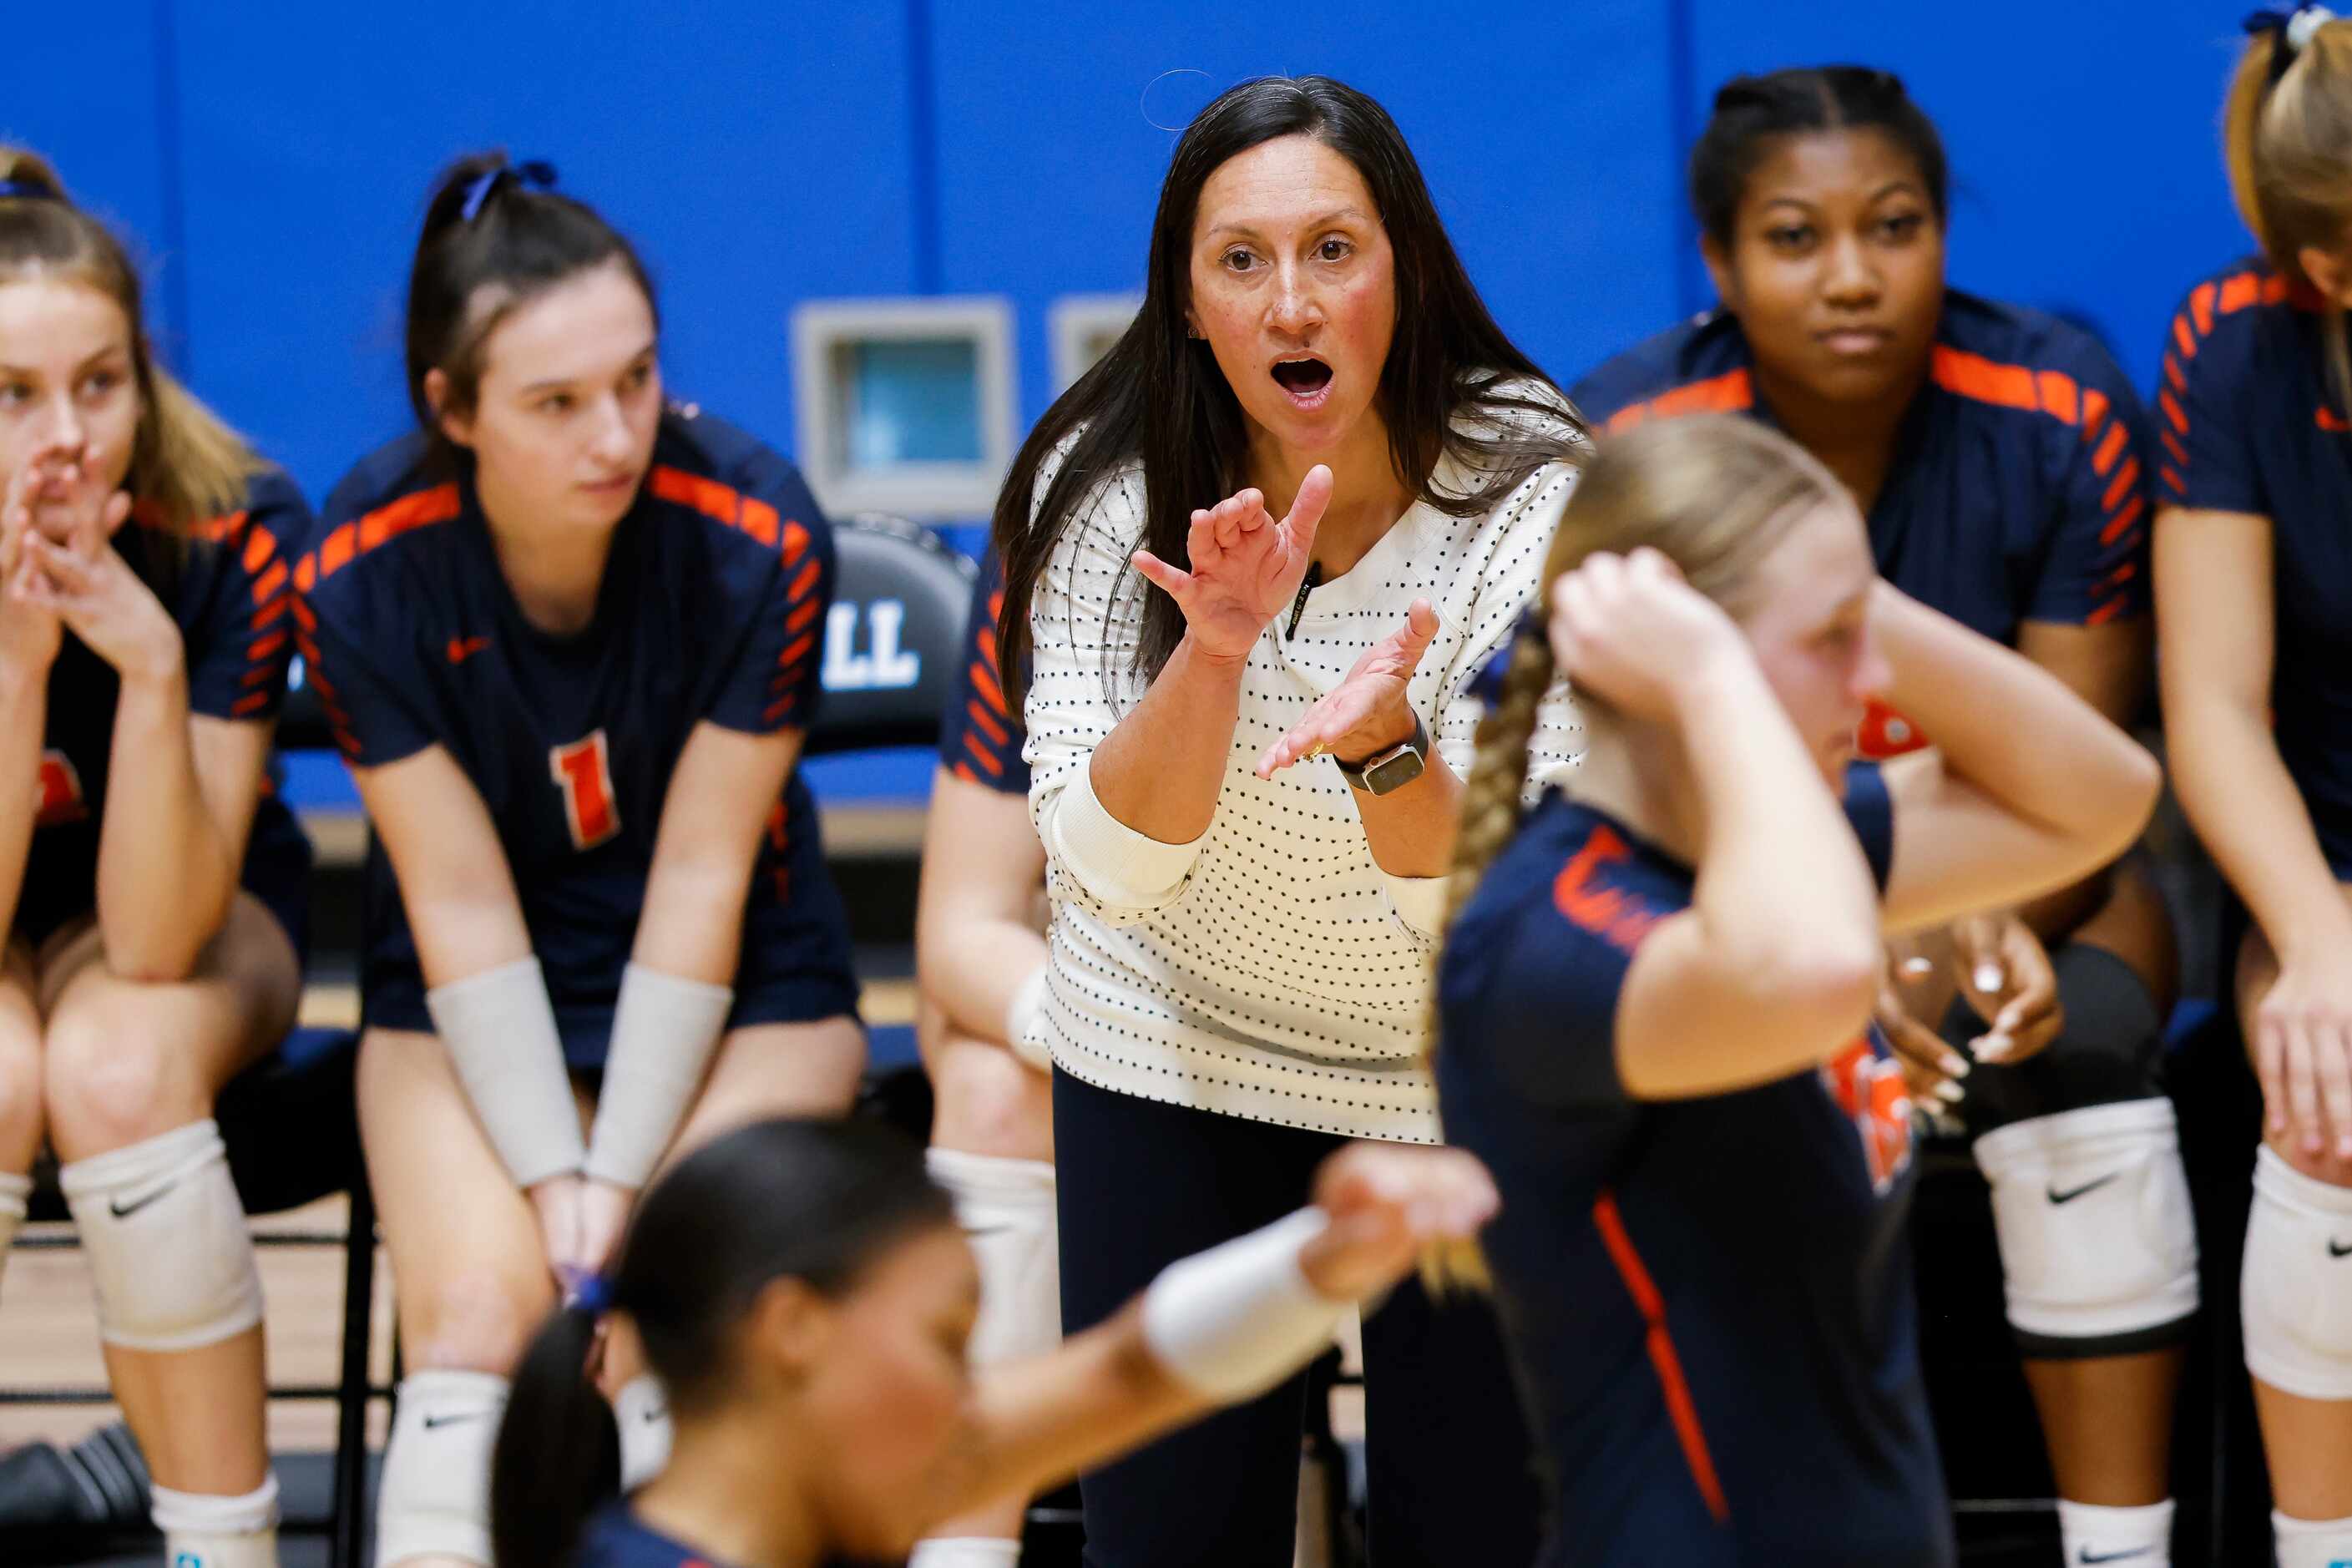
[1451,1476]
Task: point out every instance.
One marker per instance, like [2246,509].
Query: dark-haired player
[2006,472]
[568,639]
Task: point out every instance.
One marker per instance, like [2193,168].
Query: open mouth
[1302,378]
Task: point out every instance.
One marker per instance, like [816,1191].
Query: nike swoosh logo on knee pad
[2068,1196]
[431,1422]
[2090,1556]
[124,1211]
[2335,1251]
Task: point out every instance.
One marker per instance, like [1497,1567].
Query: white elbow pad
[663,1030]
[499,1029]
[1236,1319]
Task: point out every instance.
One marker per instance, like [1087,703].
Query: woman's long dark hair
[1159,395]
[814,1200]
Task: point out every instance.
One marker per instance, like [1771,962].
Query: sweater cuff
[1419,903]
[1116,864]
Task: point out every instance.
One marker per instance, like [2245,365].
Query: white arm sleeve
[1236,1319]
[663,1030]
[499,1029]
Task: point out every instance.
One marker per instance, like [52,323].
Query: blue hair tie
[24,191]
[592,1294]
[2291,26]
[537,174]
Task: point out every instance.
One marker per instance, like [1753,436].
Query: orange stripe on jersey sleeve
[335,551]
[2172,445]
[438,504]
[2172,481]
[980,755]
[251,702]
[263,647]
[2174,374]
[709,497]
[259,546]
[2102,615]
[1730,393]
[2184,338]
[796,542]
[272,583]
[1680,1407]
[2173,412]
[760,520]
[2060,396]
[796,650]
[799,619]
[2104,460]
[807,579]
[274,610]
[1985,381]
[2121,486]
[989,723]
[983,680]
[306,574]
[2121,522]
[2200,307]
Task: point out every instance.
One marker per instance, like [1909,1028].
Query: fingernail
[1955,1064]
[1917,968]
[1988,976]
[1948,1092]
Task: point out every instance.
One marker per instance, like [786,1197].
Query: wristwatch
[1391,769]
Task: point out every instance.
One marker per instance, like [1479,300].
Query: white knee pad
[2295,1291]
[208,1531]
[965,1551]
[16,1192]
[1006,1210]
[2311,1542]
[164,1232]
[2097,1241]
[435,1497]
[641,1410]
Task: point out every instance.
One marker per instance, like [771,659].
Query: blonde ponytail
[2286,139]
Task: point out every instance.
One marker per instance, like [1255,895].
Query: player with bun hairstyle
[980,959]
[567,637]
[156,889]
[2006,470]
[2254,597]
[803,1291]
[1656,990]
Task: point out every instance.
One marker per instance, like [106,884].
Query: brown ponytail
[185,462]
[2287,137]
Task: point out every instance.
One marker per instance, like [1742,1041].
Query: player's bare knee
[477,1318]
[110,1079]
[21,1093]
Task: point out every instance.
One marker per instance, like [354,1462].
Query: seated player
[803,1291]
[2255,598]
[1655,1004]
[568,640]
[981,962]
[156,889]
[2005,469]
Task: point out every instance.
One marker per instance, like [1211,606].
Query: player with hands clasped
[156,889]
[1656,998]
[1248,719]
[568,636]
[2006,472]
[2254,594]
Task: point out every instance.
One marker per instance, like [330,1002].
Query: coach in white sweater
[1248,726]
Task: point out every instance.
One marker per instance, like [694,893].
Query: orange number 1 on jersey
[583,771]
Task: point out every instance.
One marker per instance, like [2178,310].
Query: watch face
[1394,771]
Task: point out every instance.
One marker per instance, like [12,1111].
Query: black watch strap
[1418,746]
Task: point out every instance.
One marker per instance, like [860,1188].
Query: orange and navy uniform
[2249,423]
[1708,1300]
[228,584]
[2023,476]
[616,1539]
[981,735]
[712,608]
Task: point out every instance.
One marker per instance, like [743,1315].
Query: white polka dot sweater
[1270,970]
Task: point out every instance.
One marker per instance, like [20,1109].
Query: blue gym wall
[270,157]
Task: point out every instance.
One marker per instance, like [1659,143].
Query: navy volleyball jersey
[616,1538]
[1709,1301]
[713,607]
[981,736]
[228,584]
[2023,476]
[2249,423]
